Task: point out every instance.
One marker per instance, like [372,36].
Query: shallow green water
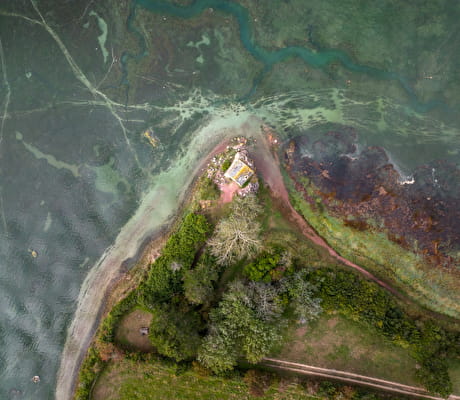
[79,88]
[316,59]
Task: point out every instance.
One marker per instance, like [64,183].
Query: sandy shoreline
[129,247]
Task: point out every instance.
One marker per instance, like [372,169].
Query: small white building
[239,171]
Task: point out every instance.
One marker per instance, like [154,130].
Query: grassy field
[339,343]
[454,372]
[277,229]
[130,380]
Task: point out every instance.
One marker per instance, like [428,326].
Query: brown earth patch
[297,346]
[332,322]
[128,334]
[228,191]
[104,392]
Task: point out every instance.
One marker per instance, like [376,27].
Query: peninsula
[242,277]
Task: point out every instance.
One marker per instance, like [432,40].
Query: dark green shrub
[270,265]
[226,165]
[166,273]
[260,269]
[174,332]
[182,245]
[198,283]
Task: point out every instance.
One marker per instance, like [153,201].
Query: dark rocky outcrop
[364,188]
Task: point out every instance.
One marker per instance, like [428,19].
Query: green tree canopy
[246,323]
[165,274]
[198,283]
[175,333]
[301,296]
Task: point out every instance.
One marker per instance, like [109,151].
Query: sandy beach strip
[172,190]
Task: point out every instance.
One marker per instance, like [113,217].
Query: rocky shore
[404,230]
[367,191]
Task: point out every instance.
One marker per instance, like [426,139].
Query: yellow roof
[239,172]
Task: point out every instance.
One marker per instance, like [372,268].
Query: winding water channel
[316,59]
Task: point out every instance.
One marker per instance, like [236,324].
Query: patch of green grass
[336,342]
[153,380]
[340,352]
[207,189]
[226,165]
[276,229]
[454,372]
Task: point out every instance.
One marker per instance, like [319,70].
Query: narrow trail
[268,166]
[349,377]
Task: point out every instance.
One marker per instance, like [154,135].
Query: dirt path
[268,166]
[349,377]
[228,192]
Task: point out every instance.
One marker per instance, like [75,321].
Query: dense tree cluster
[271,265]
[165,275]
[246,323]
[229,297]
[175,332]
[301,296]
[250,318]
[199,282]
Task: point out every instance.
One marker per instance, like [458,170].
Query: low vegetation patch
[337,342]
[153,379]
[363,301]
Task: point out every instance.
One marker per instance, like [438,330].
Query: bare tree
[237,236]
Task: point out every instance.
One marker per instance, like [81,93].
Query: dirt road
[349,377]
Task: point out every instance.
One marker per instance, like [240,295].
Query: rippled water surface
[83,81]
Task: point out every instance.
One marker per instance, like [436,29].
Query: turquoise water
[79,88]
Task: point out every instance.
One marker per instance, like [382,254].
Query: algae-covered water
[81,83]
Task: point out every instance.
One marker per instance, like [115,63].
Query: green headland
[215,308]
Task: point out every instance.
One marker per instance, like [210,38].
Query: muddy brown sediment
[419,213]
